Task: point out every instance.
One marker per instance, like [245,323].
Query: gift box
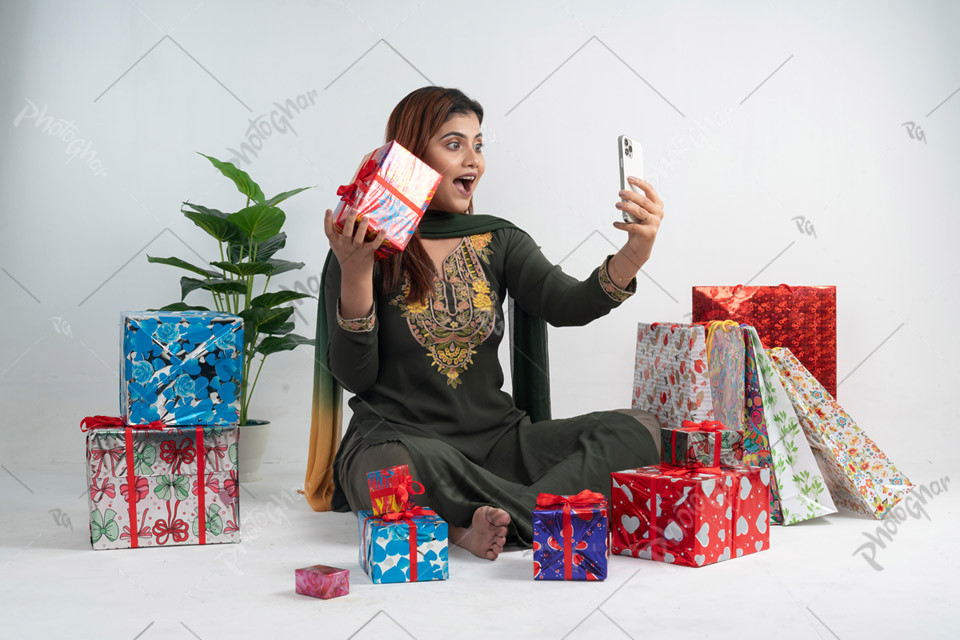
[859,475]
[677,377]
[392,189]
[690,517]
[181,368]
[700,444]
[803,319]
[156,485]
[390,489]
[772,437]
[570,537]
[321,581]
[403,546]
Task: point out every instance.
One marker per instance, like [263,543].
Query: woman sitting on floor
[415,337]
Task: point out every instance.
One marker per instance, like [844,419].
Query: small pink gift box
[321,581]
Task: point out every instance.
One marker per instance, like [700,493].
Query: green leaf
[202,209]
[264,250]
[281,330]
[261,320]
[282,266]
[279,297]
[246,268]
[259,222]
[223,229]
[273,344]
[188,284]
[183,264]
[244,182]
[180,306]
[280,197]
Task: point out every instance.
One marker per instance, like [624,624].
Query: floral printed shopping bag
[674,379]
[859,475]
[772,437]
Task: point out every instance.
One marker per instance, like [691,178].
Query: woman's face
[456,153]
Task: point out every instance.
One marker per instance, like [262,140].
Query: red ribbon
[404,487]
[407,517]
[132,493]
[348,192]
[585,498]
[201,495]
[110,422]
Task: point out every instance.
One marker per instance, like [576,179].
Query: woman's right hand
[355,256]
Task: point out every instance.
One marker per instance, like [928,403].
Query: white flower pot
[253,443]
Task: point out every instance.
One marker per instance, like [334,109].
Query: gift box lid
[171,450]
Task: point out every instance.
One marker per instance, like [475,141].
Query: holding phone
[631,164]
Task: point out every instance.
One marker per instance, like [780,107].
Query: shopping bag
[803,319]
[859,475]
[673,378]
[772,437]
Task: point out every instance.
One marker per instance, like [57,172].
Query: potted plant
[248,239]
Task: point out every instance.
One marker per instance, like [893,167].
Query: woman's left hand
[647,210]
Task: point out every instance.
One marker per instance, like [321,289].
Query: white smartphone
[631,164]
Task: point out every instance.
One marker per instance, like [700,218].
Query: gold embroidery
[460,313]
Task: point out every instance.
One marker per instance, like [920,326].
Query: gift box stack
[698,507]
[400,542]
[165,473]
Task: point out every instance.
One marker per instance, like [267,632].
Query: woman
[415,337]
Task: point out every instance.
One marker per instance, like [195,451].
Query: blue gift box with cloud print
[385,549]
[181,368]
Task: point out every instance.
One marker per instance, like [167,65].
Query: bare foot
[486,535]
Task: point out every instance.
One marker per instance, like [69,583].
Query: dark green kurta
[429,377]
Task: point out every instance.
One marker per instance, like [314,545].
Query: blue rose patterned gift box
[404,546]
[181,368]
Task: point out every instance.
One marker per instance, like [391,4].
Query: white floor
[812,583]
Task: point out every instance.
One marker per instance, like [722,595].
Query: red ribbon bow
[367,171]
[173,526]
[707,426]
[177,455]
[585,498]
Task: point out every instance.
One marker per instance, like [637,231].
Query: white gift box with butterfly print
[177,498]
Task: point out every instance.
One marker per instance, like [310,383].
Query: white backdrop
[750,115]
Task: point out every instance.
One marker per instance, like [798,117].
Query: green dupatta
[528,363]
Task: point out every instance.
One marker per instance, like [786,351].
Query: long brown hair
[415,120]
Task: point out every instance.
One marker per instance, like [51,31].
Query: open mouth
[464,184]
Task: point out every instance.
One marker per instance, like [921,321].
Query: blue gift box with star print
[386,551]
[181,368]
